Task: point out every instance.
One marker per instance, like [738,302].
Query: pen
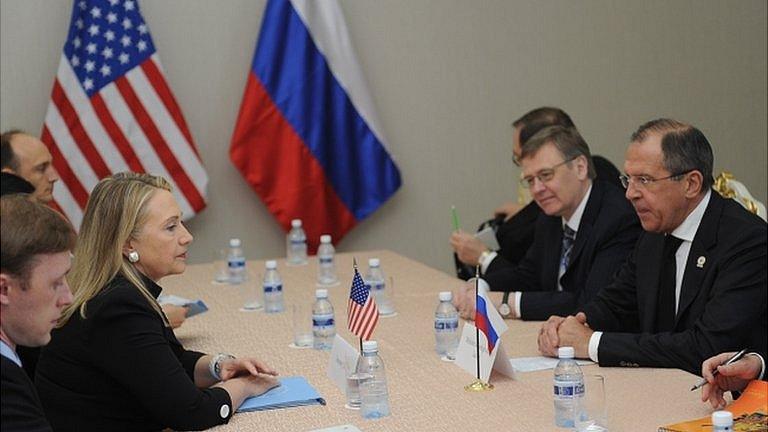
[455,217]
[733,358]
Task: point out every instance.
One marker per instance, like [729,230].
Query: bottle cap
[565,352]
[296,223]
[271,264]
[321,293]
[325,238]
[722,418]
[235,242]
[373,262]
[446,296]
[370,346]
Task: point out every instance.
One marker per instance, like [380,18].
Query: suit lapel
[648,273]
[696,265]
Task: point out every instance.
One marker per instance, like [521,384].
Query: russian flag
[487,318]
[307,138]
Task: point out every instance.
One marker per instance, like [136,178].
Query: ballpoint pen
[733,358]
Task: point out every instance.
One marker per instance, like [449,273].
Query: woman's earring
[133,256]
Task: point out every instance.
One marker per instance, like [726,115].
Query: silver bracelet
[214,367]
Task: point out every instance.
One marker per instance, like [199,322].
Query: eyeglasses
[544,175]
[642,181]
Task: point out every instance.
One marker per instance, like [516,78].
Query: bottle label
[568,389]
[446,325]
[322,322]
[375,286]
[326,260]
[273,288]
[236,263]
[298,243]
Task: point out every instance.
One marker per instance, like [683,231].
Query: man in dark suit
[694,286]
[36,244]
[516,222]
[27,157]
[586,230]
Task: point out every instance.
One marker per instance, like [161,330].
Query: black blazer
[20,408]
[515,236]
[122,369]
[722,300]
[607,233]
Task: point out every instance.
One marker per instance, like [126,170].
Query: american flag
[362,313]
[112,110]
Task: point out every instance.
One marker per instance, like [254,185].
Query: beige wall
[447,78]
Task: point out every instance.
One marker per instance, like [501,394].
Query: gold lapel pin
[700,262]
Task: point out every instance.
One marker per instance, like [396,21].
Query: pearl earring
[133,256]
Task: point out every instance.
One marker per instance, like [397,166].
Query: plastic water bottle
[722,421]
[374,396]
[446,326]
[326,269]
[296,244]
[568,388]
[236,262]
[375,281]
[323,325]
[273,289]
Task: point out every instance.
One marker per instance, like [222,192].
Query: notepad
[530,364]
[292,392]
[194,307]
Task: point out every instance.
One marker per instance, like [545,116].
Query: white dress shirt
[8,352]
[573,223]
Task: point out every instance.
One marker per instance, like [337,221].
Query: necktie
[665,311]
[569,236]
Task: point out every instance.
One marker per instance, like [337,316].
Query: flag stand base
[478,386]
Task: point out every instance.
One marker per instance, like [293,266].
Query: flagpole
[478,385]
[477,329]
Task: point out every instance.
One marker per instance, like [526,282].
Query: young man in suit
[694,286]
[36,245]
[27,157]
[585,231]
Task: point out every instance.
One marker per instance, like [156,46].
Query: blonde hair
[115,213]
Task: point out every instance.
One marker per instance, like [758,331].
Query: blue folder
[292,391]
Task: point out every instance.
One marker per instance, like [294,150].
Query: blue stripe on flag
[301,84]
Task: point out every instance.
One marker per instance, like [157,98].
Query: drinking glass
[253,294]
[220,268]
[302,325]
[353,384]
[593,416]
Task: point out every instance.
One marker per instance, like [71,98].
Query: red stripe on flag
[78,132]
[280,168]
[158,143]
[65,172]
[114,132]
[162,89]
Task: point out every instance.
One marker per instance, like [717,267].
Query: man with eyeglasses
[695,284]
[516,221]
[586,230]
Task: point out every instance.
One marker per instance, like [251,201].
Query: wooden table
[426,394]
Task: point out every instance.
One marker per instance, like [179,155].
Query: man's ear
[582,167]
[694,183]
[6,285]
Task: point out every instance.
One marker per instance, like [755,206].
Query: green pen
[455,217]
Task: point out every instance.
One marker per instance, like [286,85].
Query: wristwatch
[504,309]
[214,367]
